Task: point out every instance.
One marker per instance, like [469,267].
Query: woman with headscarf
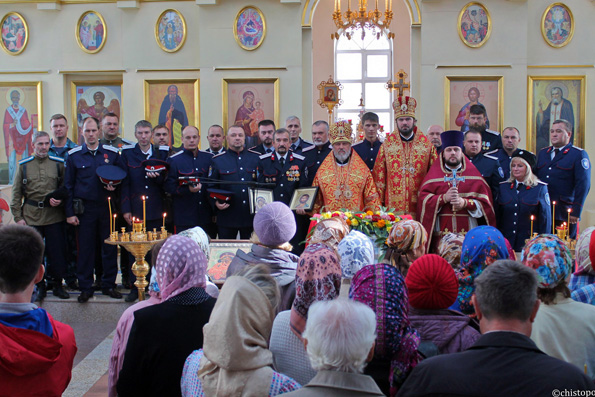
[330,232]
[200,237]
[318,278]
[433,286]
[356,251]
[382,288]
[483,245]
[522,196]
[449,248]
[235,359]
[163,335]
[406,242]
[582,282]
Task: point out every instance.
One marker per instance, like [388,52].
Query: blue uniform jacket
[504,160]
[288,178]
[515,209]
[368,151]
[236,167]
[189,208]
[80,178]
[490,140]
[568,177]
[138,184]
[260,149]
[314,156]
[301,146]
[489,167]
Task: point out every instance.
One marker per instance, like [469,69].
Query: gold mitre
[404,106]
[341,132]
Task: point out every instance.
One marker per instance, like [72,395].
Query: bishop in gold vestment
[403,161]
[344,180]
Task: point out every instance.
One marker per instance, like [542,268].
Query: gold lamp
[363,19]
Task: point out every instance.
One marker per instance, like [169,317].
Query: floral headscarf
[330,232]
[181,265]
[200,237]
[407,235]
[356,251]
[450,248]
[583,259]
[382,288]
[317,278]
[550,258]
[483,246]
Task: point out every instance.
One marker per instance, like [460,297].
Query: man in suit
[504,360]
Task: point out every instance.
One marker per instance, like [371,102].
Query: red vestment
[19,142]
[432,207]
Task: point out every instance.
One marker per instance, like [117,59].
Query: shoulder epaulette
[543,183]
[253,147]
[576,147]
[111,148]
[76,149]
[163,147]
[298,156]
[307,143]
[253,151]
[266,155]
[504,182]
[205,152]
[359,143]
[490,157]
[491,152]
[58,159]
[26,160]
[176,154]
[217,155]
[493,132]
[128,147]
[308,149]
[126,141]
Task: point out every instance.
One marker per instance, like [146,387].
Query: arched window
[363,67]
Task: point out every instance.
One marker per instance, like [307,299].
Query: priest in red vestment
[453,197]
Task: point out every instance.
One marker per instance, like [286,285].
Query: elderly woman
[274,225]
[356,251]
[235,360]
[563,328]
[330,232]
[483,245]
[433,287]
[582,282]
[163,335]
[318,278]
[406,242]
[449,248]
[382,288]
[521,197]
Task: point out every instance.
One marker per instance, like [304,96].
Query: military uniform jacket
[288,177]
[504,160]
[81,179]
[568,177]
[44,175]
[209,150]
[260,149]
[138,184]
[236,167]
[61,151]
[489,167]
[515,207]
[301,145]
[314,157]
[189,208]
[117,143]
[368,151]
[490,140]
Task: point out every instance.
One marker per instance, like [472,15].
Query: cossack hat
[223,196]
[341,132]
[155,165]
[404,106]
[110,174]
[528,157]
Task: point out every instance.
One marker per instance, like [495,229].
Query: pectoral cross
[454,178]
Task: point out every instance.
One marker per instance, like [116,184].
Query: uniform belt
[38,204]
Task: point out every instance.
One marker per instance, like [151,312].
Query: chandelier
[362,19]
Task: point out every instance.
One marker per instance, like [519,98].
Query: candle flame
[532,217]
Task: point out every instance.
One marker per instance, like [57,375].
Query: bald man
[433,134]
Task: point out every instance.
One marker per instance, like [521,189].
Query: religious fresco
[15,33]
[91,32]
[557,25]
[462,92]
[474,24]
[170,31]
[249,28]
[94,100]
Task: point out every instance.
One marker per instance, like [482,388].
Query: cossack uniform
[490,169]
[314,156]
[368,151]
[117,143]
[190,209]
[504,160]
[300,145]
[516,203]
[232,166]
[88,200]
[490,140]
[288,176]
[567,171]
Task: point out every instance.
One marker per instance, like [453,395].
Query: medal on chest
[293,173]
[105,156]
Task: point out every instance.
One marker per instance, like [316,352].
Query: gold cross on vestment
[400,85]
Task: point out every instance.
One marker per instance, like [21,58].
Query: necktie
[519,187]
[93,152]
[269,150]
[556,151]
[282,161]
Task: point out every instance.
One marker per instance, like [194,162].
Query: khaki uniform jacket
[42,179]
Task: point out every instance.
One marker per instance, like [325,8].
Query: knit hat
[431,283]
[550,258]
[274,224]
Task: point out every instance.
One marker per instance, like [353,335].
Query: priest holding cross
[453,196]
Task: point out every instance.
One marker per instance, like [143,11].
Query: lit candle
[144,212]
[532,218]
[115,215]
[554,217]
[109,204]
[569,211]
[164,215]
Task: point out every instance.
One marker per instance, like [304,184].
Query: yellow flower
[354,222]
[348,214]
[375,224]
[326,215]
[369,213]
[388,228]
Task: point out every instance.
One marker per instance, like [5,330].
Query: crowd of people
[473,295]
